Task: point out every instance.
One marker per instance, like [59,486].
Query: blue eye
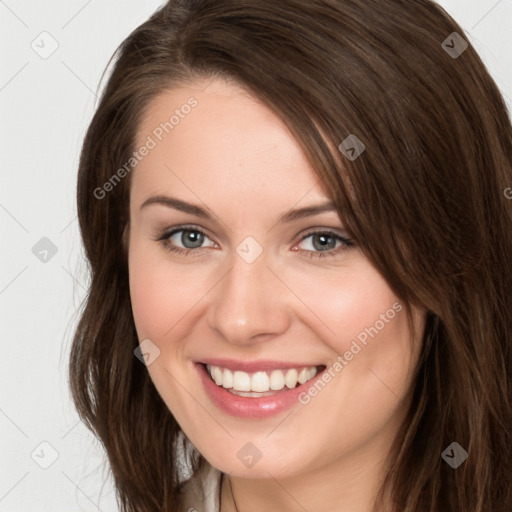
[193,237]
[324,242]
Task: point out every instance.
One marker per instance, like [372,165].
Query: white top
[201,492]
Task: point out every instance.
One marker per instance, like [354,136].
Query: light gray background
[45,107]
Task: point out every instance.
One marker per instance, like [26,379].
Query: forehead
[207,136]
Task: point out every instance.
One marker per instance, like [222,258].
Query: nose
[249,304]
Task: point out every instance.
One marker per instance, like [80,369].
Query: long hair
[425,201]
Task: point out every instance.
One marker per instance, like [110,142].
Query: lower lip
[248,407]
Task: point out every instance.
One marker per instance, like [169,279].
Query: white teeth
[252,394]
[227,379]
[276,380]
[241,381]
[260,382]
[302,377]
[217,375]
[305,374]
[291,378]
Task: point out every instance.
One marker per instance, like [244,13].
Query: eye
[191,237]
[324,243]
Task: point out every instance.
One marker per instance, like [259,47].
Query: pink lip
[253,366]
[248,407]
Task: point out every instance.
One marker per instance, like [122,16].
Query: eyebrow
[290,216]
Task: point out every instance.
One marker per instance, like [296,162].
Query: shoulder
[201,492]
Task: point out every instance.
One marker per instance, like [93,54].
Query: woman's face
[262,285]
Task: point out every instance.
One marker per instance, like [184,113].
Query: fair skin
[232,155]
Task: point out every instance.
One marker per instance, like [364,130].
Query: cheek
[161,303]
[363,322]
[161,294]
[352,303]
[152,292]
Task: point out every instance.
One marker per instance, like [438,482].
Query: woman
[299,241]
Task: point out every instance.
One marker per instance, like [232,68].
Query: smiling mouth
[261,383]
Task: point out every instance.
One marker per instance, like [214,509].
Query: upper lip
[254,366]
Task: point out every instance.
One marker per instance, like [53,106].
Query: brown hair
[424,201]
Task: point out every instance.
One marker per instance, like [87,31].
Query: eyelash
[163,238]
